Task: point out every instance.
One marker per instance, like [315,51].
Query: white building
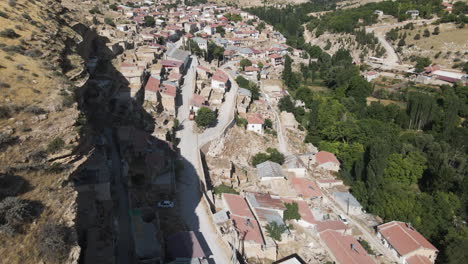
[407,244]
[255,123]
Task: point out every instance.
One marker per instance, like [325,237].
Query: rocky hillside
[40,143]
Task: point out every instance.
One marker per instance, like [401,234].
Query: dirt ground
[451,44]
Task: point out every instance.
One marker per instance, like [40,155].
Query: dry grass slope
[36,106]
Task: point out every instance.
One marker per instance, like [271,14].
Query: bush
[291,212]
[55,145]
[54,241]
[366,246]
[109,21]
[3,14]
[224,189]
[12,3]
[272,154]
[13,49]
[4,85]
[11,185]
[14,213]
[36,110]
[9,33]
[204,117]
[275,230]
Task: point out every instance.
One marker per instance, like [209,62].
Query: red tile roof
[275,56]
[306,188]
[404,238]
[418,259]
[197,100]
[345,249]
[152,84]
[171,63]
[203,68]
[251,69]
[169,89]
[330,225]
[266,201]
[237,205]
[323,157]
[220,76]
[255,118]
[248,228]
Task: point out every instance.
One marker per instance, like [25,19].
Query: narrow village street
[189,195]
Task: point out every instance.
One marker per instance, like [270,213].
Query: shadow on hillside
[109,203]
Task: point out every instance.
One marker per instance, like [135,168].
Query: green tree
[426,33]
[268,123]
[291,212]
[244,63]
[204,117]
[149,21]
[221,31]
[286,104]
[421,63]
[275,230]
[406,169]
[109,21]
[436,31]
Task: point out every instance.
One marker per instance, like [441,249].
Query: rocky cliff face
[42,132]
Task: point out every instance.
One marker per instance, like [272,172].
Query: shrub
[275,230]
[33,53]
[8,33]
[272,154]
[26,16]
[54,241]
[4,85]
[291,212]
[12,3]
[55,145]
[224,189]
[204,117]
[11,185]
[35,110]
[3,14]
[14,213]
[109,21]
[13,49]
[366,246]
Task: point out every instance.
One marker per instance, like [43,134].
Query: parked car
[165,204]
[343,219]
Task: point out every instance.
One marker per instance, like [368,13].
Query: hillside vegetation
[37,131]
[403,163]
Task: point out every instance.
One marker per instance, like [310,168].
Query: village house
[178,55]
[406,243]
[345,249]
[276,59]
[249,233]
[348,203]
[244,98]
[255,123]
[220,81]
[306,189]
[171,66]
[147,247]
[326,160]
[186,247]
[201,42]
[134,75]
[152,88]
[203,72]
[268,209]
[269,170]
[197,102]
[166,96]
